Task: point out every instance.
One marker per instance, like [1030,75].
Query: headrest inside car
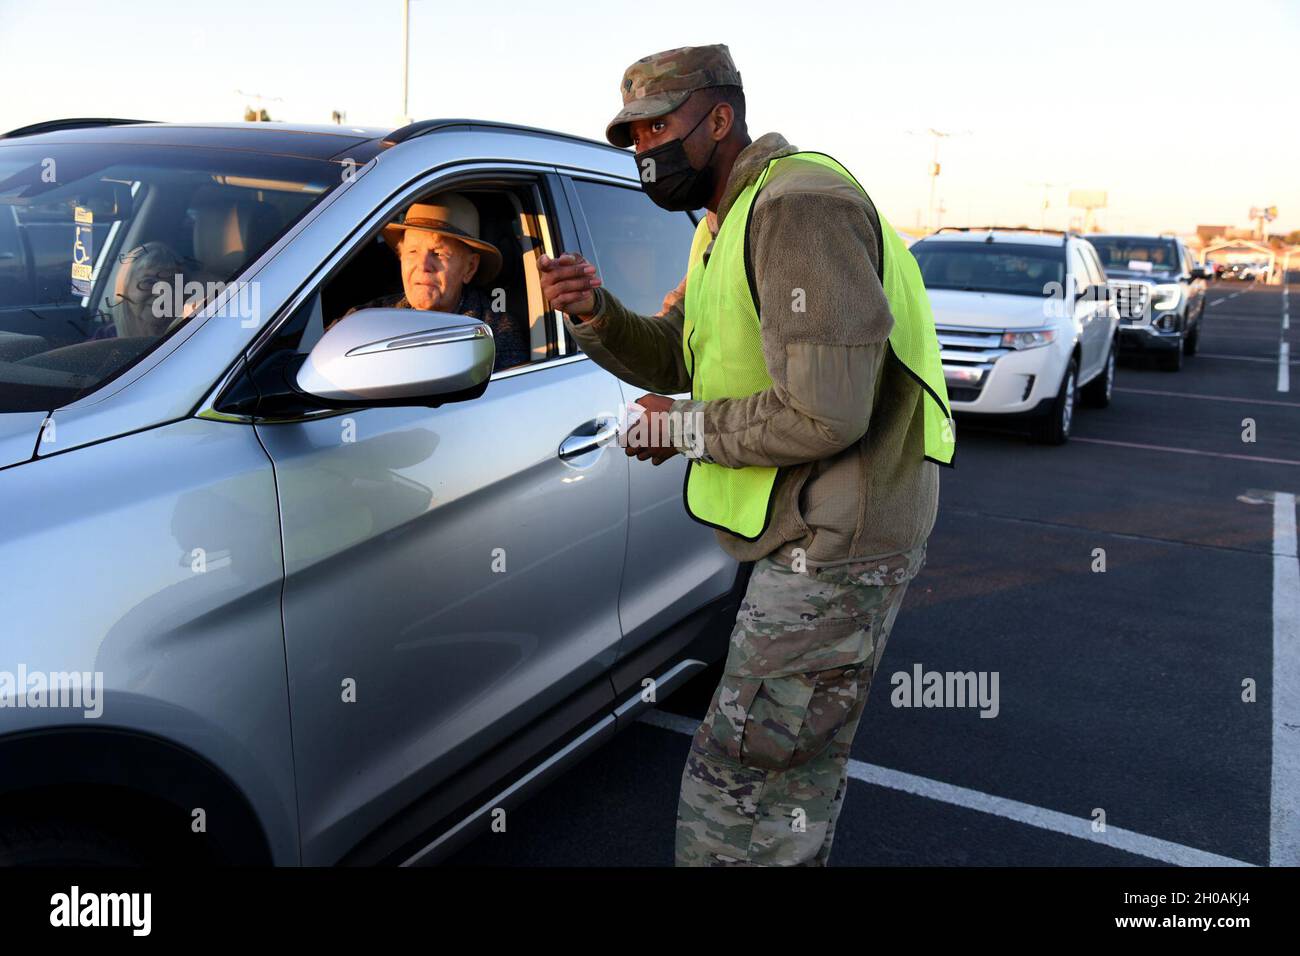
[226,233]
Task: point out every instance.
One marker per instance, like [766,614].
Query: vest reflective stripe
[723,348]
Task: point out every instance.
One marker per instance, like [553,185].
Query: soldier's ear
[722,120]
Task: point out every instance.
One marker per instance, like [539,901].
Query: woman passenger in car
[140,307]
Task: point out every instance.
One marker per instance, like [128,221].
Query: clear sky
[1176,109]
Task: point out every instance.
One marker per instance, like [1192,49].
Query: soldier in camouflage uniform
[767,770]
[854,501]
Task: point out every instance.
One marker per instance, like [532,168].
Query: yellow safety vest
[723,349]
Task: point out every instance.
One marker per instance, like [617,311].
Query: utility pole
[1042,219]
[934,164]
[406,60]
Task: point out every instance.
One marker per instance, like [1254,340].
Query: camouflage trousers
[767,771]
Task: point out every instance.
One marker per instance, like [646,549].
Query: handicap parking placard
[83,250]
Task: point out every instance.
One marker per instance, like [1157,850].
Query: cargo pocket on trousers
[838,697]
[775,722]
[756,721]
[723,727]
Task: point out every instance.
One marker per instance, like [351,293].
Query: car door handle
[589,436]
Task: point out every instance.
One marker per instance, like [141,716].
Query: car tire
[1172,360]
[1097,393]
[64,843]
[1193,340]
[1053,428]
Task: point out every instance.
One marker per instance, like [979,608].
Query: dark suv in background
[1161,292]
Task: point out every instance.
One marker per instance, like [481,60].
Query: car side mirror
[399,357]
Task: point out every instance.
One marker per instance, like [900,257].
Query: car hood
[18,434]
[989,310]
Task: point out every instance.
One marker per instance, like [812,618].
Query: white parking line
[1040,817]
[1284,814]
[1268,333]
[1284,367]
[1219,300]
[1207,398]
[1235,358]
[1240,321]
[1186,451]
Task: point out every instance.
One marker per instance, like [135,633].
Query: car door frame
[1091,348]
[1195,285]
[586,719]
[1107,310]
[640,653]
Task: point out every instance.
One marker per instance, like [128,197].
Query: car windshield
[105,250]
[1135,253]
[990,267]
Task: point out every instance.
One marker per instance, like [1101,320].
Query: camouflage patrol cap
[656,85]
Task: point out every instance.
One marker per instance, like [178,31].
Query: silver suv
[290,585]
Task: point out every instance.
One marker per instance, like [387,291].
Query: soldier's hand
[568,283]
[638,439]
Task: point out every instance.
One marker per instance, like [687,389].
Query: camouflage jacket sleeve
[643,350]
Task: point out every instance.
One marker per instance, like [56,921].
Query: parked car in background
[1025,324]
[1161,294]
[337,582]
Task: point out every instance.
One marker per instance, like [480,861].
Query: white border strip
[1284,815]
[1040,817]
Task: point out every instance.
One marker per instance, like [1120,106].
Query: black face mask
[676,184]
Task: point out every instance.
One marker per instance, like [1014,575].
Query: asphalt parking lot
[1120,691]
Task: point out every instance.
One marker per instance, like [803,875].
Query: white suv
[1026,323]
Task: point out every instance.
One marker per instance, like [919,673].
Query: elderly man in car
[446,268]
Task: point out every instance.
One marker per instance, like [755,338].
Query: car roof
[1022,238]
[308,142]
[1129,235]
[311,141]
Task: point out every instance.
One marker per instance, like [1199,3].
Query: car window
[1007,268]
[1136,253]
[377,273]
[1079,268]
[1095,272]
[641,250]
[107,249]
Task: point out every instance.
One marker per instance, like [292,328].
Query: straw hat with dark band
[452,215]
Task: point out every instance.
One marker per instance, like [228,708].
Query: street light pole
[934,165]
[1042,213]
[934,175]
[406,60]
